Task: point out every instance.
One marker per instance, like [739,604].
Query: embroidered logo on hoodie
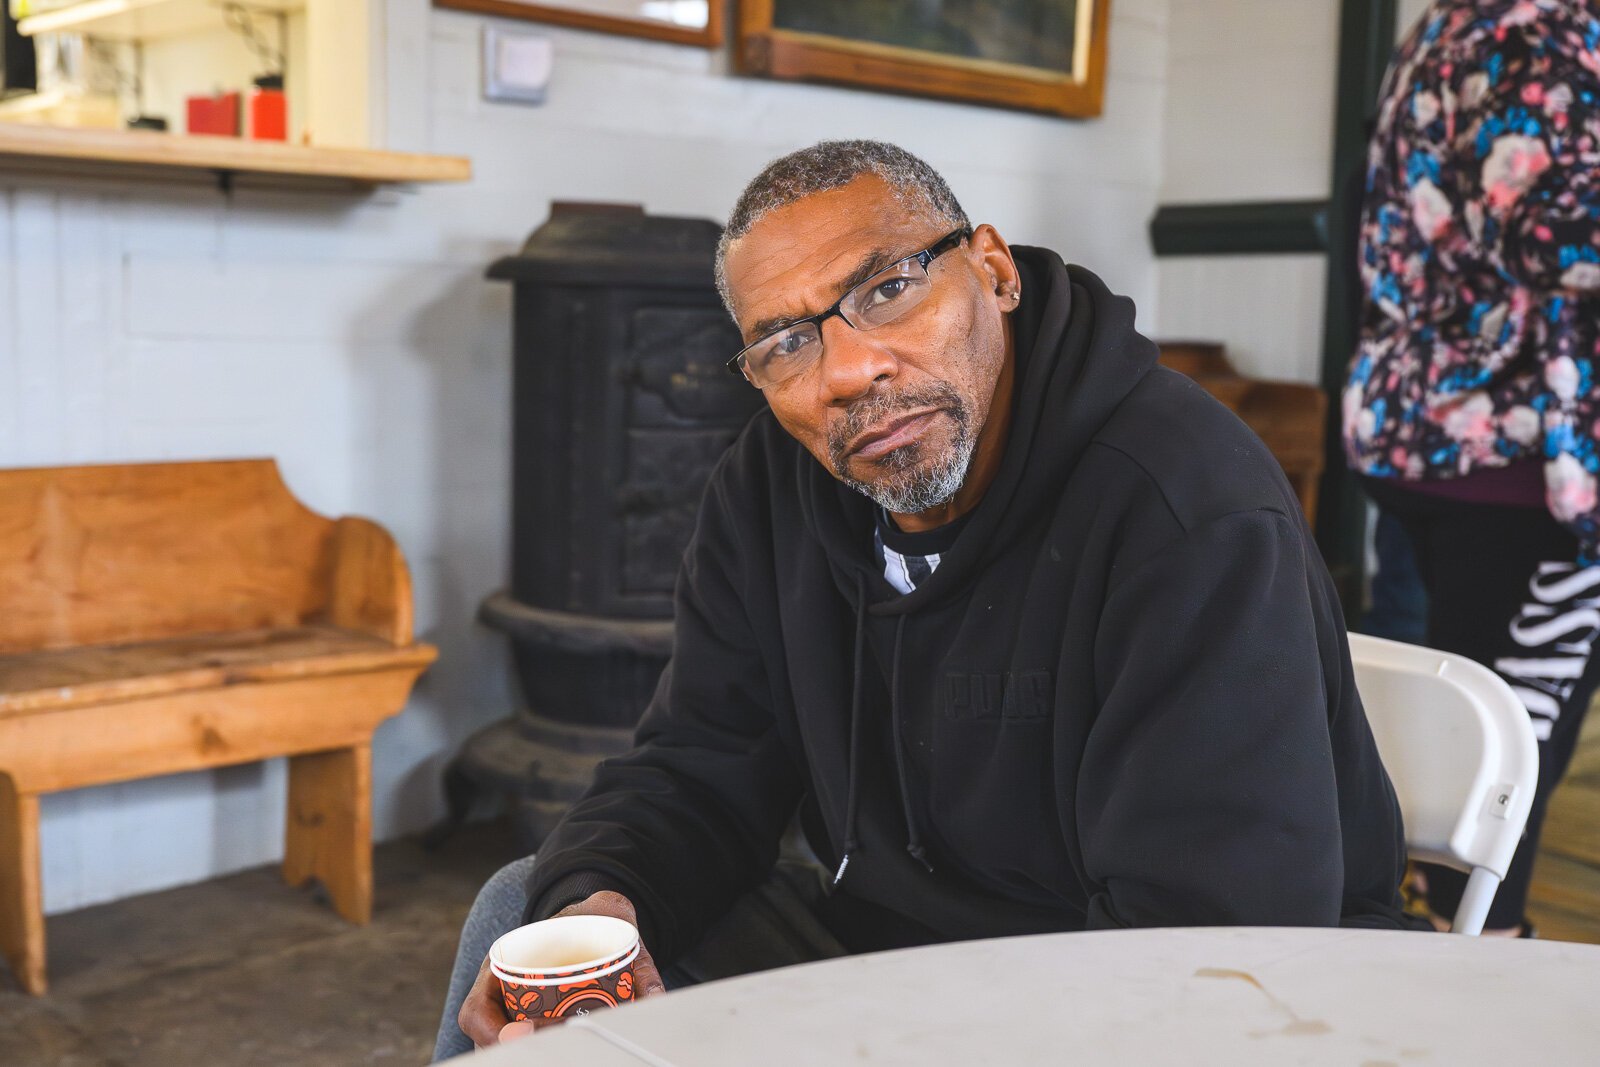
[1011,696]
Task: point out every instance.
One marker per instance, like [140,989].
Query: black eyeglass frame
[925,257]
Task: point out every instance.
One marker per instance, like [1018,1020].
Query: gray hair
[828,165]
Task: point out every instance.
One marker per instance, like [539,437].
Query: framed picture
[1036,55]
[697,22]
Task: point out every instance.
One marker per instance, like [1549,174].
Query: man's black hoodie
[1124,698]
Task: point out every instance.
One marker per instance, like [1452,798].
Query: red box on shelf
[217,115]
[269,109]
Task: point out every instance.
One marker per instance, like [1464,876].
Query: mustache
[877,407]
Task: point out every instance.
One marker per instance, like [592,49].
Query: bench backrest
[102,554]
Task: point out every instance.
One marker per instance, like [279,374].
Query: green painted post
[1366,40]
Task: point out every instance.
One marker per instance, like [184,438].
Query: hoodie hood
[1077,357]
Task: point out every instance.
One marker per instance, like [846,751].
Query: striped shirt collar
[909,558]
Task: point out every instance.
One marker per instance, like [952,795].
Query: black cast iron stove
[621,406]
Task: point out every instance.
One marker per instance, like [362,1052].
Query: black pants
[1504,589]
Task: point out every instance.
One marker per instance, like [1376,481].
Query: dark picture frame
[1005,65]
[570,13]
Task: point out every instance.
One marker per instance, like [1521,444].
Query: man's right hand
[483,1014]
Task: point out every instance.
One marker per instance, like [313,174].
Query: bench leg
[330,827]
[21,898]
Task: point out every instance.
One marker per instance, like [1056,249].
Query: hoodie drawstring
[853,787]
[914,845]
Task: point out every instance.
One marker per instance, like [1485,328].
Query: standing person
[1027,629]
[1397,603]
[1472,405]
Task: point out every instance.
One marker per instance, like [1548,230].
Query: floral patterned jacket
[1480,254]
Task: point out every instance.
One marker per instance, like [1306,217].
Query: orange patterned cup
[569,965]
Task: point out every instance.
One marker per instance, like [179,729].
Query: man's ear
[999,269]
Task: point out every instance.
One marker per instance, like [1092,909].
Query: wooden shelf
[142,20]
[85,151]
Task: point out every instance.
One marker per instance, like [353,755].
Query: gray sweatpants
[773,926]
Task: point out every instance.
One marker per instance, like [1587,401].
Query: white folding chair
[1460,750]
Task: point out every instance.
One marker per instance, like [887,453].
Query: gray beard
[914,482]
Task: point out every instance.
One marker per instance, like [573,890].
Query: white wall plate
[516,66]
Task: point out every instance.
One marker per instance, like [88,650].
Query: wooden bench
[170,617]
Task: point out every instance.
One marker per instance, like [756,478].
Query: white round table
[1226,996]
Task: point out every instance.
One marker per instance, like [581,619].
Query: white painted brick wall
[357,341]
[1249,113]
[1268,309]
[1249,116]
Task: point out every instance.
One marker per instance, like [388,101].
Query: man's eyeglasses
[878,301]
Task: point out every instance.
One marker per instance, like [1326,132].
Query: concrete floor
[242,970]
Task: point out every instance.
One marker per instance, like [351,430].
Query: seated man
[1028,630]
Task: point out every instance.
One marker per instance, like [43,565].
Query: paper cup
[565,966]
